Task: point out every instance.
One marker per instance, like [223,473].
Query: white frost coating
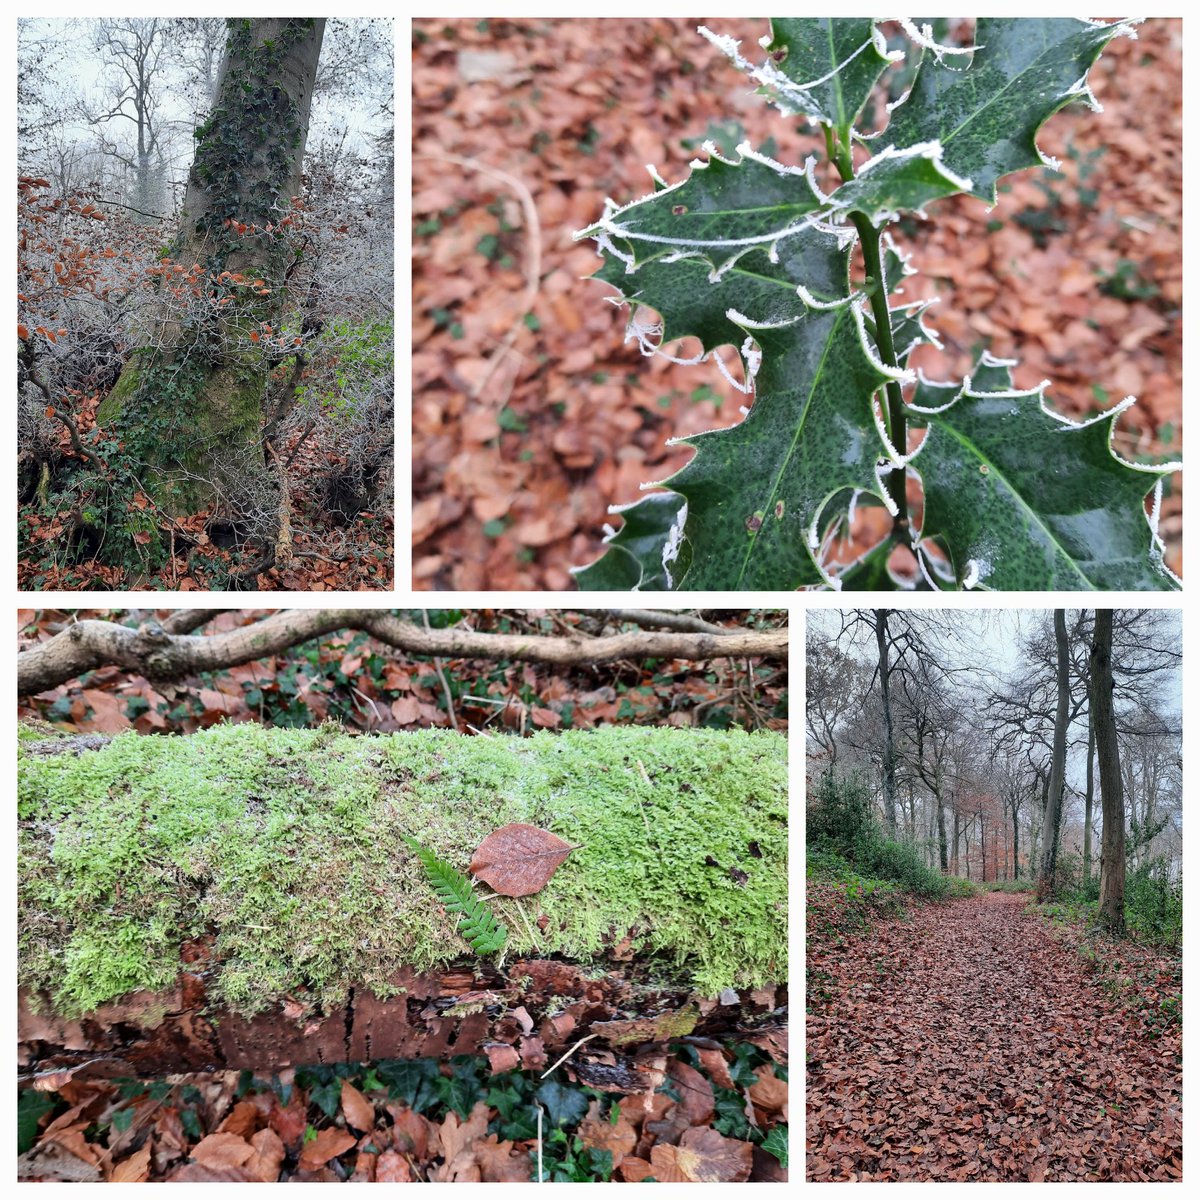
[745,388]
[901,374]
[923,37]
[852,508]
[930,150]
[924,569]
[1080,88]
[746,322]
[609,531]
[748,151]
[882,469]
[673,543]
[752,357]
[974,573]
[604,242]
[658,179]
[889,243]
[988,359]
[810,301]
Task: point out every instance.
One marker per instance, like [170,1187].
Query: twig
[437,666]
[683,622]
[569,1053]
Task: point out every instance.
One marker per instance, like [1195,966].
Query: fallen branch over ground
[161,655]
[256,902]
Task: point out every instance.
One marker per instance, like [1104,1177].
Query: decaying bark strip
[521,1018]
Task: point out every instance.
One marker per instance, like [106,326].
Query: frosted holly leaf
[727,208]
[986,114]
[1025,500]
[641,555]
[899,180]
[724,208]
[811,266]
[819,67]
[755,491]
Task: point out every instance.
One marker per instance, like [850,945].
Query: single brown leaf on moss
[518,860]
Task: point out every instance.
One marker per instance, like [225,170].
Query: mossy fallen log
[245,896]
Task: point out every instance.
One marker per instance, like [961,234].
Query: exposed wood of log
[524,1018]
[159,654]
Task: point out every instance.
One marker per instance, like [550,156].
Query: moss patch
[287,846]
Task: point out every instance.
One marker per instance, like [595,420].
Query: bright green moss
[287,846]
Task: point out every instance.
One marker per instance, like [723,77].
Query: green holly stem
[837,146]
[897,414]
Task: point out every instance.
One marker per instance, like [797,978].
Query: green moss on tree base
[287,846]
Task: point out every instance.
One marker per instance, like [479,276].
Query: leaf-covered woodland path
[967,1043]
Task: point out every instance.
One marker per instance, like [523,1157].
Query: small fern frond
[478,926]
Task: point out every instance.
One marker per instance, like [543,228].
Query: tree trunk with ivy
[188,408]
[1111,911]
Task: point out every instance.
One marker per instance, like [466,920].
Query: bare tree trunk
[1089,792]
[983,845]
[1058,759]
[889,744]
[1016,842]
[957,835]
[941,829]
[1111,913]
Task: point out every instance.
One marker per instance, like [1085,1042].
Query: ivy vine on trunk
[750,252]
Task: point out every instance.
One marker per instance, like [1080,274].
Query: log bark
[159,654]
[214,862]
[522,1018]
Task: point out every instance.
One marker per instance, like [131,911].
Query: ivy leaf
[1025,500]
[755,491]
[641,554]
[564,1105]
[986,116]
[776,1143]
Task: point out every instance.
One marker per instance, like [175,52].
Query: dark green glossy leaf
[986,115]
[634,560]
[1024,500]
[754,491]
[823,67]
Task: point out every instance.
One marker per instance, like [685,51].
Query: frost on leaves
[753,253]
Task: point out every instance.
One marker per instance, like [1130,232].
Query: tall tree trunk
[941,829]
[957,835]
[889,745]
[1089,791]
[1016,842]
[189,404]
[1058,759]
[983,846]
[1112,837]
